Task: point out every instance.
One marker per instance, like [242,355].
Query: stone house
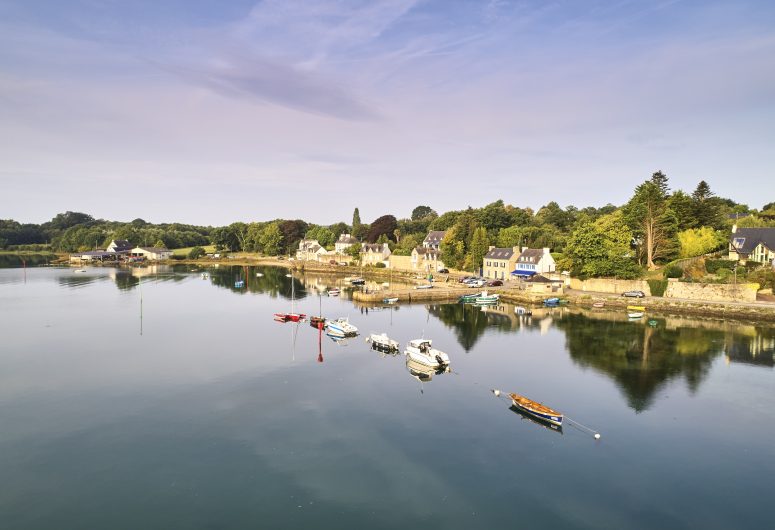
[371,254]
[499,262]
[150,253]
[433,239]
[310,250]
[426,259]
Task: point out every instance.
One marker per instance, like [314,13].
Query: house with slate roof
[310,250]
[371,254]
[120,246]
[433,239]
[499,262]
[426,259]
[344,242]
[150,253]
[533,261]
[752,244]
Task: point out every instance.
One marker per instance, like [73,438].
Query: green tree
[652,222]
[421,212]
[513,236]
[683,207]
[386,225]
[699,241]
[196,253]
[271,239]
[602,248]
[323,235]
[660,180]
[452,249]
[356,220]
[706,210]
[479,246]
[355,252]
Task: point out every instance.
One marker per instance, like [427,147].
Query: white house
[533,261]
[120,246]
[344,242]
[310,250]
[752,244]
[150,253]
[371,254]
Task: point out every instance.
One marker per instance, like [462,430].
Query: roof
[434,236]
[531,255]
[95,253]
[155,250]
[745,240]
[427,251]
[372,247]
[500,253]
[121,244]
[346,238]
[538,278]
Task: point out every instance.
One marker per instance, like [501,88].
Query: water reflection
[423,373]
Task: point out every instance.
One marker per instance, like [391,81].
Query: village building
[426,259]
[150,253]
[752,244]
[499,262]
[344,242]
[433,239]
[533,261]
[93,256]
[310,250]
[120,246]
[371,254]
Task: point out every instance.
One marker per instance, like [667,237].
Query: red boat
[289,317]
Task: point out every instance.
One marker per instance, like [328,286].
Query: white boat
[392,300]
[79,270]
[341,326]
[422,351]
[634,315]
[424,373]
[205,275]
[485,298]
[333,292]
[429,286]
[384,343]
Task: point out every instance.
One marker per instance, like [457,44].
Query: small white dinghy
[422,351]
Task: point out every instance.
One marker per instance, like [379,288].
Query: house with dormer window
[499,262]
[433,239]
[752,244]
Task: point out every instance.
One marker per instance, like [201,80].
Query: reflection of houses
[426,259]
[371,254]
[758,349]
[752,244]
[344,242]
[499,262]
[433,239]
[150,253]
[533,261]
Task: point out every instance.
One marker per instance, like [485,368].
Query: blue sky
[210,112]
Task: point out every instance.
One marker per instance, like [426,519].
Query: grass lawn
[186,250]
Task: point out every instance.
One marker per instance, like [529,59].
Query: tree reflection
[641,359]
[273,281]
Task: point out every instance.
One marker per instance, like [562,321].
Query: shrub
[714,265]
[657,287]
[196,253]
[178,257]
[673,271]
[380,265]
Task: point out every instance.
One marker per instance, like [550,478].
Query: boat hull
[536,410]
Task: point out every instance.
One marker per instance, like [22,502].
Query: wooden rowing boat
[536,409]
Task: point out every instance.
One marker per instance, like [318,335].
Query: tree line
[656,225]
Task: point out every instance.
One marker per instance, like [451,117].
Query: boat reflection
[422,372]
[539,422]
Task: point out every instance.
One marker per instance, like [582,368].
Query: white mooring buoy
[497,392]
[597,436]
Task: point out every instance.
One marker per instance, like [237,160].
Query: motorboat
[469,298]
[423,352]
[392,300]
[205,275]
[519,310]
[485,298]
[429,286]
[239,284]
[341,326]
[333,292]
[635,315]
[383,343]
[357,281]
[551,302]
[79,270]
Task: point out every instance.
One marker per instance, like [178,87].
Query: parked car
[443,270]
[494,283]
[634,294]
[465,279]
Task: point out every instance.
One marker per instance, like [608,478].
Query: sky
[213,111]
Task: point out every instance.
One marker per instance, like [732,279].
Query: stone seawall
[712,292]
[610,285]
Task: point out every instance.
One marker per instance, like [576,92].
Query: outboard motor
[439,359]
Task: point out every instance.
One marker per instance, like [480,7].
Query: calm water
[206,413]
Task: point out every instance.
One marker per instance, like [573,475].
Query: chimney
[734,228]
[524,248]
[546,251]
[516,250]
[490,248]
